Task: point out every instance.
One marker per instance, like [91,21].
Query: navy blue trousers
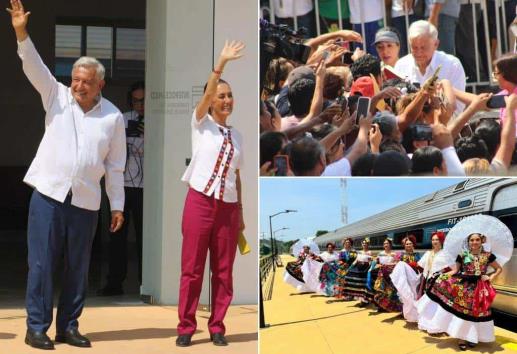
[57,230]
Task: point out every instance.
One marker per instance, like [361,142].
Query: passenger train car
[440,211]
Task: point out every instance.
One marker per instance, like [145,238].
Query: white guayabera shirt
[77,148]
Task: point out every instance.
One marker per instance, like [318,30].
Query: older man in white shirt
[424,59]
[84,139]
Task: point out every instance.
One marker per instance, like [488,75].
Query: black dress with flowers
[456,293]
[333,273]
[294,268]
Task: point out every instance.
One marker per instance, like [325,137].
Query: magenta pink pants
[208,225]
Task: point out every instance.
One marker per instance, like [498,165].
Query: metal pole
[406,15]
[295,17]
[498,28]
[317,14]
[271,235]
[505,32]
[339,15]
[487,41]
[261,309]
[362,24]
[476,47]
[272,11]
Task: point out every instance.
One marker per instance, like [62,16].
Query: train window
[460,186]
[464,203]
[511,222]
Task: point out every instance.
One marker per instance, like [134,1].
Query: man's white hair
[90,62]
[422,28]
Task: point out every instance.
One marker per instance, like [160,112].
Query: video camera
[280,41]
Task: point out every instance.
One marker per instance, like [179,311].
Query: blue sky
[318,201]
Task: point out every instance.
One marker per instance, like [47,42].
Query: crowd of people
[445,291]
[353,113]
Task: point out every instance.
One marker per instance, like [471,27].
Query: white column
[179,60]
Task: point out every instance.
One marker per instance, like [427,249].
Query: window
[121,49]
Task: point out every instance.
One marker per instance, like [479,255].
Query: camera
[421,132]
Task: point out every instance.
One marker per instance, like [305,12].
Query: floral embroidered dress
[328,273]
[294,268]
[385,293]
[456,305]
[346,258]
[355,279]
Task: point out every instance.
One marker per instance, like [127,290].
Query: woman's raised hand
[232,50]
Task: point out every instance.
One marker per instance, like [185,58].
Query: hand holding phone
[363,108]
[281,164]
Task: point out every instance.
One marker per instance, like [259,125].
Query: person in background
[388,45]
[286,10]
[329,15]
[134,190]
[398,20]
[444,14]
[369,13]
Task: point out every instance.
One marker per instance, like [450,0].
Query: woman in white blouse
[212,216]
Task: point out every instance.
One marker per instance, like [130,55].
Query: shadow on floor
[452,343]
[7,335]
[132,334]
[233,338]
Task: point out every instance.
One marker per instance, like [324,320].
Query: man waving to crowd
[84,140]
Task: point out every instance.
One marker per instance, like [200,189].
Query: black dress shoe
[109,290]
[73,337]
[38,340]
[218,339]
[184,340]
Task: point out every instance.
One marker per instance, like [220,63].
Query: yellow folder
[244,247]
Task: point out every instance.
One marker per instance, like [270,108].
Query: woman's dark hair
[322,130]
[138,85]
[220,81]
[363,166]
[389,240]
[490,131]
[507,66]
[391,163]
[305,154]
[278,71]
[330,244]
[366,65]
[270,145]
[481,236]
[333,86]
[300,96]
[425,159]
[470,147]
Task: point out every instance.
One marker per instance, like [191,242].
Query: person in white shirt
[212,216]
[424,59]
[84,139]
[370,14]
[134,191]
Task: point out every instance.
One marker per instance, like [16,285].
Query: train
[440,211]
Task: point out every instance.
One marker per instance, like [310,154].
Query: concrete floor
[306,323]
[124,325]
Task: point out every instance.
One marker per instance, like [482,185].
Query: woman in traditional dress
[386,297]
[293,270]
[355,279]
[328,274]
[409,284]
[347,256]
[452,302]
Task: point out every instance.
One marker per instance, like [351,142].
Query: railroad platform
[125,325]
[306,323]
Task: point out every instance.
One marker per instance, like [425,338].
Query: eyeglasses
[495,73]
